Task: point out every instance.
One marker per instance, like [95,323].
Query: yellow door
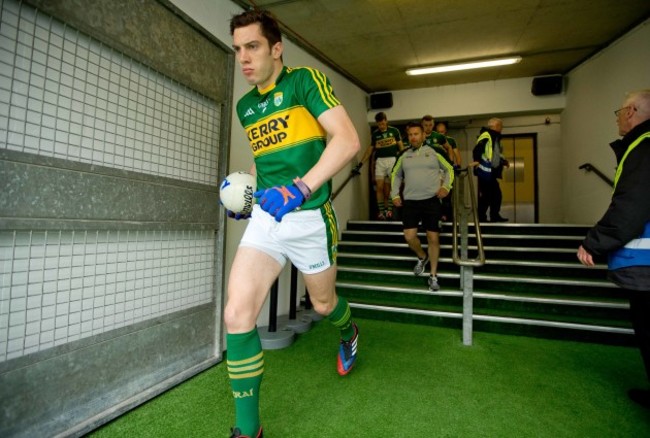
[519,181]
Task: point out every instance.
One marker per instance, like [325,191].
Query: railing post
[467,279]
[308,304]
[462,212]
[293,293]
[273,308]
[275,336]
[298,321]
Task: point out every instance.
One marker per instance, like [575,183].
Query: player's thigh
[433,237]
[410,233]
[384,167]
[251,276]
[322,291]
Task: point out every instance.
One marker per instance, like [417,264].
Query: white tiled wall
[66,95]
[57,287]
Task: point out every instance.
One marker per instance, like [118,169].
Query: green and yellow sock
[246,368]
[389,205]
[341,317]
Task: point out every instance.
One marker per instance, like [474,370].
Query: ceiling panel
[373,42]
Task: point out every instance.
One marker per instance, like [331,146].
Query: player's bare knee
[229,317]
[238,320]
[324,307]
[411,238]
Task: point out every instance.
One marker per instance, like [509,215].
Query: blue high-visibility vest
[637,251]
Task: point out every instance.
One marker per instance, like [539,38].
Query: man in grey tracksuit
[427,178]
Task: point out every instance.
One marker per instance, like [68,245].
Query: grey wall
[597,88]
[112,121]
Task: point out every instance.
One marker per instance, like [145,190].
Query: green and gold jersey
[435,140]
[283,130]
[385,143]
[452,142]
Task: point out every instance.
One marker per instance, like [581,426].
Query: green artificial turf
[415,381]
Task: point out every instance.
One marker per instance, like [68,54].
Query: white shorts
[309,238]
[384,166]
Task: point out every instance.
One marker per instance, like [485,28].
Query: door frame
[532,135]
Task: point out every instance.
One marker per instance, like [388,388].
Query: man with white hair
[488,167]
[623,233]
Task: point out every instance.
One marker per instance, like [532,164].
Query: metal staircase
[531,282]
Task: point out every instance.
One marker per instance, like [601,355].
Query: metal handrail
[354,172]
[462,259]
[591,168]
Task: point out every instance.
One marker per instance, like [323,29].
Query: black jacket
[478,150]
[628,211]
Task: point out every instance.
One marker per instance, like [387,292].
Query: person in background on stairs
[386,144]
[427,178]
[288,116]
[435,140]
[623,233]
[447,208]
[488,167]
[441,128]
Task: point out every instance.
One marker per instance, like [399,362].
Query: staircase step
[486,228]
[405,259]
[493,252]
[612,303]
[494,282]
[498,324]
[530,284]
[607,311]
[541,241]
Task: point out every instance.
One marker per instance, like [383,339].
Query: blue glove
[280,200]
[237,216]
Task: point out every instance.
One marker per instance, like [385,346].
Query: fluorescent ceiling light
[463,66]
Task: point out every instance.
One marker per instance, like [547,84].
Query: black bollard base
[301,324]
[281,338]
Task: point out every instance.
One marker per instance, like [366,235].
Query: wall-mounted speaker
[546,85]
[381,100]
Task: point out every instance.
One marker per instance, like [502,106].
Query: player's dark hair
[380,117]
[414,125]
[427,118]
[268,26]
